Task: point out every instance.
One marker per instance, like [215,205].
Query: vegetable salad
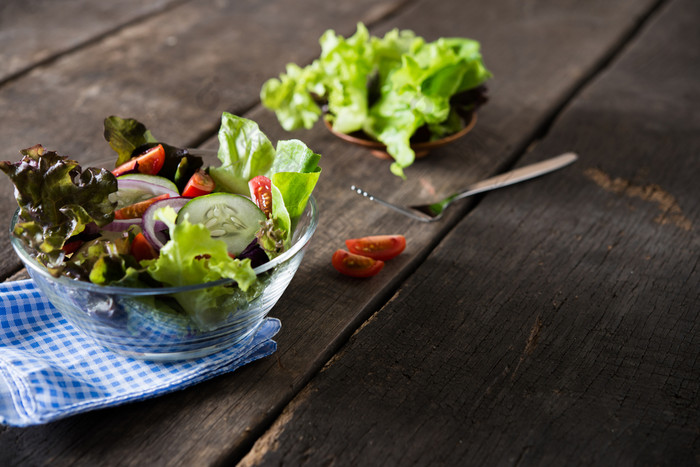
[160,218]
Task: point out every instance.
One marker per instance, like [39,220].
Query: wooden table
[556,322]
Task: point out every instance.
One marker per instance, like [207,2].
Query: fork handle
[515,176]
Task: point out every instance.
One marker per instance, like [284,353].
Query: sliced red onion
[91,228]
[120,225]
[140,185]
[152,229]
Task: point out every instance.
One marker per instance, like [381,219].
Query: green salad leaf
[192,257]
[62,209]
[57,200]
[295,173]
[387,87]
[246,152]
[125,135]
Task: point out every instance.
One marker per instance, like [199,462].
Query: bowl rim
[37,267]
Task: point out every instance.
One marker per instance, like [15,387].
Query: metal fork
[434,211]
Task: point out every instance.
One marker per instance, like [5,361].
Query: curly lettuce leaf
[124,135]
[419,91]
[292,96]
[107,260]
[57,199]
[129,137]
[346,65]
[388,87]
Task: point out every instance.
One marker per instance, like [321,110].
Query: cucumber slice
[232,218]
[154,179]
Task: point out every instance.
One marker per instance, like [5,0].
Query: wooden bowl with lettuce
[398,95]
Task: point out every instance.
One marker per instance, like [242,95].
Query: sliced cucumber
[232,218]
[154,179]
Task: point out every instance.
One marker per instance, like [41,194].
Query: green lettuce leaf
[125,135]
[418,93]
[244,152]
[295,173]
[57,199]
[191,257]
[388,87]
[292,95]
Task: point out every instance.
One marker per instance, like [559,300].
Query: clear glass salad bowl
[141,322]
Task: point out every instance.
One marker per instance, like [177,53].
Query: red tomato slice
[354,265]
[261,193]
[381,247]
[137,209]
[200,183]
[70,247]
[141,248]
[149,163]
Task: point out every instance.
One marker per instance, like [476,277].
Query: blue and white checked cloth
[50,370]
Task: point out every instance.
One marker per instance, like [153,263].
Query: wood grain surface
[557,323]
[37,31]
[493,332]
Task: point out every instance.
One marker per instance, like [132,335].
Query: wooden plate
[421,149]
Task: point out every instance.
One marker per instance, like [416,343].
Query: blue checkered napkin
[50,370]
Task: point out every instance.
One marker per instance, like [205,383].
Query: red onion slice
[148,187]
[152,229]
[120,225]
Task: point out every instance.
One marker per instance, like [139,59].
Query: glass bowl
[148,323]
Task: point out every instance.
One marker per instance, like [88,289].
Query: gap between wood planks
[90,41]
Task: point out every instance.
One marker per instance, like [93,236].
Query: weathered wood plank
[33,31]
[321,309]
[176,72]
[558,323]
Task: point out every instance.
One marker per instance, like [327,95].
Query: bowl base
[239,343]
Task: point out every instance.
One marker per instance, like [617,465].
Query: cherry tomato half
[200,183]
[71,246]
[381,247]
[354,265]
[261,193]
[149,163]
[137,209]
[141,248]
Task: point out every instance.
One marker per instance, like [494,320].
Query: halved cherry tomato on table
[354,265]
[261,193]
[137,209]
[381,247]
[200,183]
[149,163]
[141,248]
